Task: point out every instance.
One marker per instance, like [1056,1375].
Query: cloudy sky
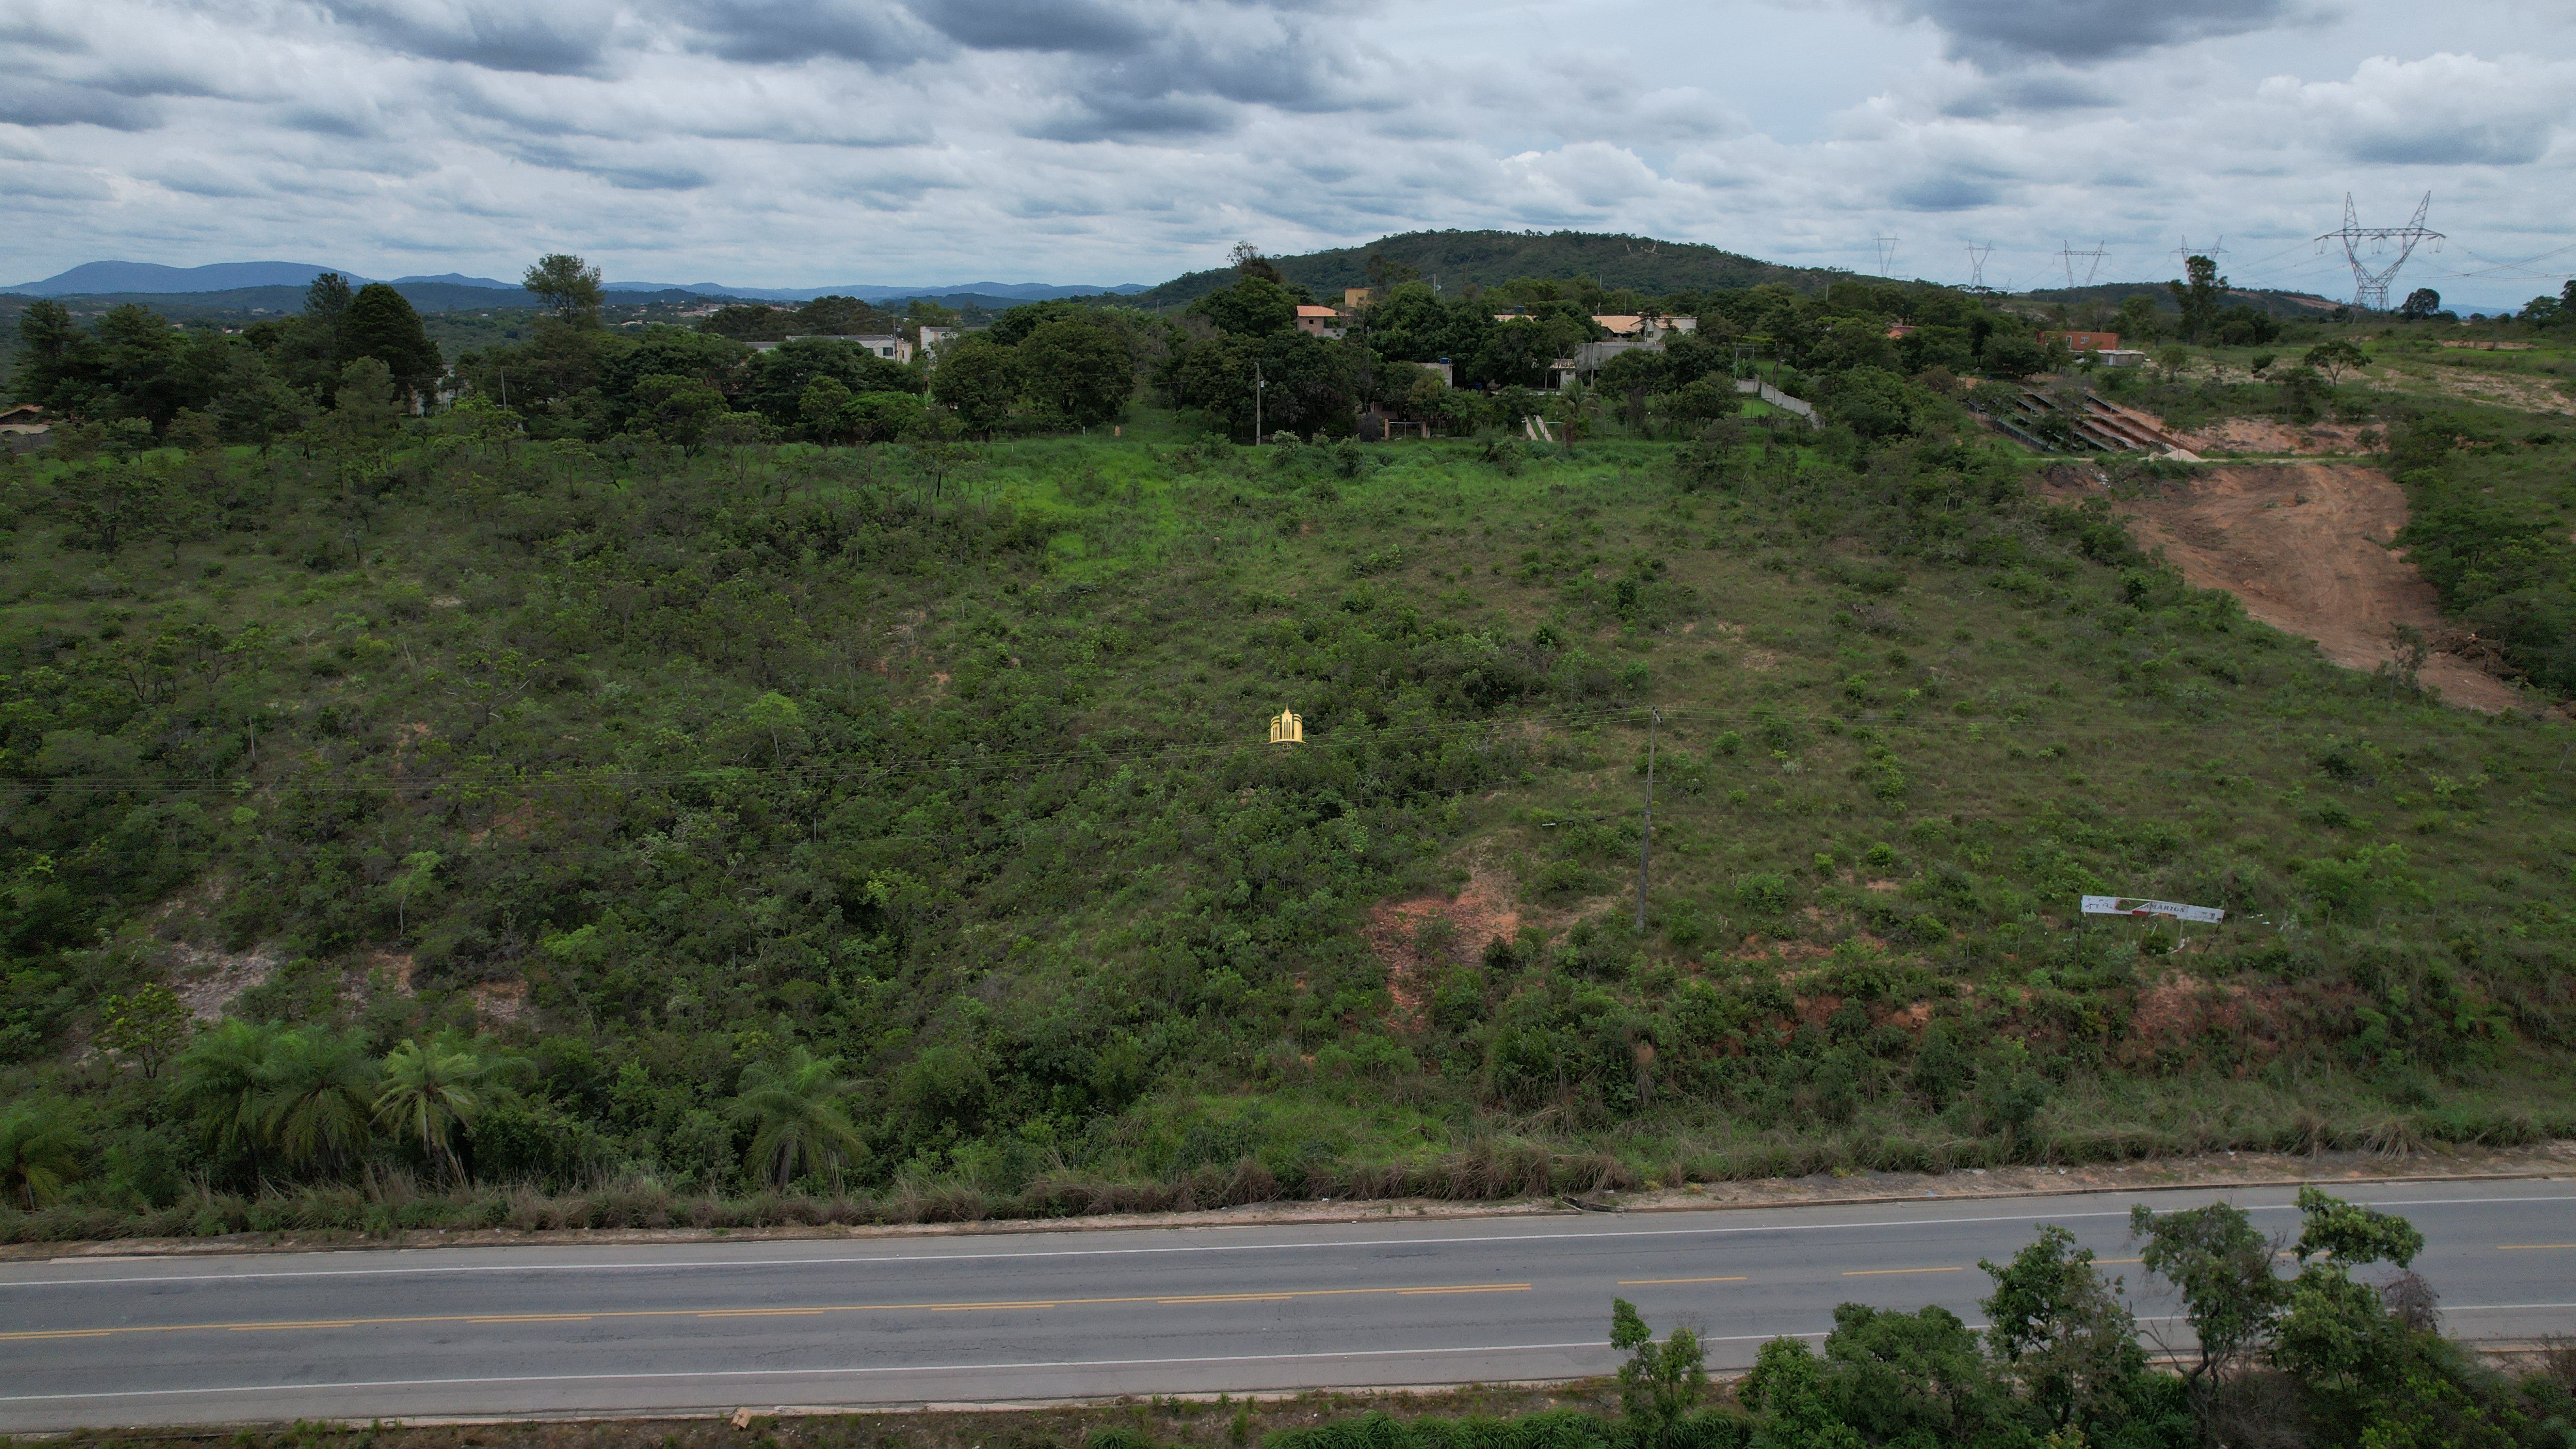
[794,142]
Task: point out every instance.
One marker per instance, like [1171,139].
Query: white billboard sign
[2141,906]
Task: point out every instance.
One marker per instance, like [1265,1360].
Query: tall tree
[2199,297]
[59,366]
[979,379]
[567,284]
[381,324]
[327,298]
[2420,305]
[1077,369]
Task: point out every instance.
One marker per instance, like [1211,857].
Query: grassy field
[951,764]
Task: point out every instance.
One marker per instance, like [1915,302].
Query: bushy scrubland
[607,832]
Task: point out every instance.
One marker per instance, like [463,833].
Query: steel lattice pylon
[2369,283]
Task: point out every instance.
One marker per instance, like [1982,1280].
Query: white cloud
[810,141]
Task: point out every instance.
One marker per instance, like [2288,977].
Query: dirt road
[2304,545]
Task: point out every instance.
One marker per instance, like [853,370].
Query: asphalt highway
[1003,1317]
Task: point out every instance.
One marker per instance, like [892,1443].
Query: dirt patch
[208,980]
[2529,394]
[2268,435]
[2303,545]
[499,1003]
[1479,913]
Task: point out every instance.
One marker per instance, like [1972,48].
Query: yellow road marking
[2530,1247]
[26,1335]
[1884,1272]
[1649,1282]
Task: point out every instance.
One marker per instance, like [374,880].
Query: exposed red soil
[1479,913]
[2304,546]
[2268,435]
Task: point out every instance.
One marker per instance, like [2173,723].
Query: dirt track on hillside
[2303,545]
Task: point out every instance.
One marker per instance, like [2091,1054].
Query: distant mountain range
[92,279]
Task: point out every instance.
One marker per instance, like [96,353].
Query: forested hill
[1488,258]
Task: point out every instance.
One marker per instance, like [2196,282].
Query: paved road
[1028,1316]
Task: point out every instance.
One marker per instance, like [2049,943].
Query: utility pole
[1886,253]
[1977,254]
[1258,383]
[1646,843]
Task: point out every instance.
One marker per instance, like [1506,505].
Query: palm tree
[796,1114]
[437,1089]
[217,1080]
[314,1093]
[39,1152]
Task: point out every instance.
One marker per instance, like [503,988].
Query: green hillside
[1459,259]
[734,787]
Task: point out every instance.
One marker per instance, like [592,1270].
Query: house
[2123,357]
[933,335]
[1354,298]
[2083,341]
[892,349]
[1325,322]
[1899,331]
[23,427]
[1645,328]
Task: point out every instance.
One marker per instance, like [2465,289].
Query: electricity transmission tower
[2092,260]
[2187,251]
[1887,253]
[1977,254]
[2369,283]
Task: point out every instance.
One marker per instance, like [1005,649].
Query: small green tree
[434,1091]
[2335,357]
[40,1152]
[2059,1330]
[780,718]
[217,1081]
[418,877]
[796,1115]
[1910,1377]
[1786,1393]
[2222,1268]
[316,1091]
[1660,1382]
[147,1026]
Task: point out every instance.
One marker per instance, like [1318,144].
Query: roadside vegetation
[726,787]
